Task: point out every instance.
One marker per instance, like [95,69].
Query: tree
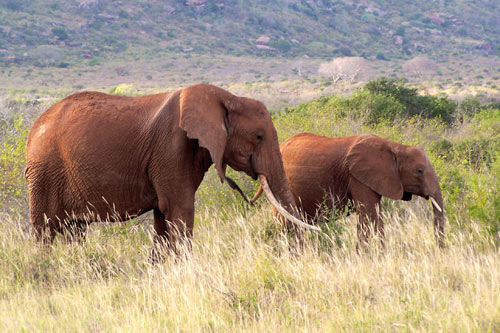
[419,66]
[346,68]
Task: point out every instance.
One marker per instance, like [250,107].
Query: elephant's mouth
[251,171]
[407,196]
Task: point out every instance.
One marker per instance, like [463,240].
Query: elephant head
[397,171]
[238,132]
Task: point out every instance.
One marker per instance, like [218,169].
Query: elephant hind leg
[367,205]
[173,231]
[44,228]
[43,217]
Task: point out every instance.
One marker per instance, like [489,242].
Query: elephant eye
[260,138]
[420,171]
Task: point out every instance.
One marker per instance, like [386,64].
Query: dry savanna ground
[278,82]
[242,275]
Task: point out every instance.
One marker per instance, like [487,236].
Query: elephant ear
[372,161]
[204,117]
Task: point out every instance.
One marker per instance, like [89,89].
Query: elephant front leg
[173,231]
[367,204]
[43,230]
[368,214]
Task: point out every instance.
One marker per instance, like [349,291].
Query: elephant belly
[108,200]
[320,200]
[315,192]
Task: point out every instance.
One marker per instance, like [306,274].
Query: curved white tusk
[434,202]
[281,210]
[257,195]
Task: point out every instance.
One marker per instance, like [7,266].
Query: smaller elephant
[356,172]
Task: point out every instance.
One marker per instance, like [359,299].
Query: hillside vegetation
[242,275]
[66,32]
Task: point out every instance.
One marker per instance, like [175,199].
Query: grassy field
[243,274]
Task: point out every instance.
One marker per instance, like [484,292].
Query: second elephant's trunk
[438,210]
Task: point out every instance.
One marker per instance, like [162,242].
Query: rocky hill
[66,32]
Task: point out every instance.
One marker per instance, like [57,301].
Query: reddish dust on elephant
[94,156]
[357,171]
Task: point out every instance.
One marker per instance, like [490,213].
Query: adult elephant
[358,171]
[94,156]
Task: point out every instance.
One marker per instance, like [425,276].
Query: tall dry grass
[242,276]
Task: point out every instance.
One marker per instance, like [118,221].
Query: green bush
[12,162]
[281,45]
[426,106]
[14,5]
[469,106]
[372,108]
[60,33]
[382,101]
[124,89]
[484,197]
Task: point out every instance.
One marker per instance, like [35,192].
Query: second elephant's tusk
[257,195]
[434,202]
[280,209]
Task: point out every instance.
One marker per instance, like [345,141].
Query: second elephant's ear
[204,117]
[372,161]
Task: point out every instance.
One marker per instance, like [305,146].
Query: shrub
[281,45]
[14,5]
[469,107]
[60,33]
[61,64]
[401,30]
[123,89]
[425,106]
[484,203]
[12,161]
[372,108]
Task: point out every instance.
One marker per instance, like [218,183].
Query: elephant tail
[257,194]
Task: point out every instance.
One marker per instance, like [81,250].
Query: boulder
[263,40]
[398,40]
[195,3]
